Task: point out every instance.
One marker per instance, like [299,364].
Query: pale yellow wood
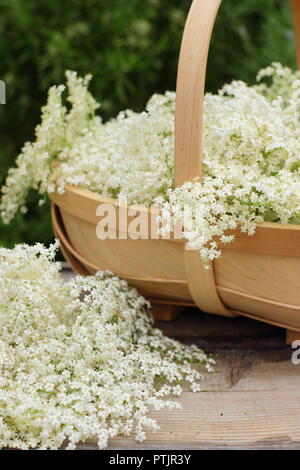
[245,272]
[270,238]
[190,89]
[283,315]
[274,278]
[181,303]
[83,204]
[202,285]
[296,14]
[174,290]
[135,258]
[257,275]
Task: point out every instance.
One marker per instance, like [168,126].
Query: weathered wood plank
[252,402]
[258,419]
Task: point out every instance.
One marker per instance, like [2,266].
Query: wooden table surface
[252,401]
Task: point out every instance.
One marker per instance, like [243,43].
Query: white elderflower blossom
[251,157]
[80,359]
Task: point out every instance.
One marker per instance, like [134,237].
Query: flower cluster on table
[81,358]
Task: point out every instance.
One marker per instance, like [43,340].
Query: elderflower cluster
[251,157]
[251,165]
[80,359]
[131,155]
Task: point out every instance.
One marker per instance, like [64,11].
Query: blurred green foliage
[131,47]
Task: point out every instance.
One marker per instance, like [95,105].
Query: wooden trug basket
[257,276]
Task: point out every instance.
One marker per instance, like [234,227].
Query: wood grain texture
[158,273]
[252,402]
[202,286]
[257,276]
[215,419]
[257,284]
[269,239]
[190,89]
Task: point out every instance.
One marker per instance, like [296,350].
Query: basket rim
[96,197]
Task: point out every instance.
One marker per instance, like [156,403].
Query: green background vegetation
[131,48]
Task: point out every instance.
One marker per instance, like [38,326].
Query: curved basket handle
[191,83]
[190,89]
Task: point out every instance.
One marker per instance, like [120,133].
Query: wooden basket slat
[256,277]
